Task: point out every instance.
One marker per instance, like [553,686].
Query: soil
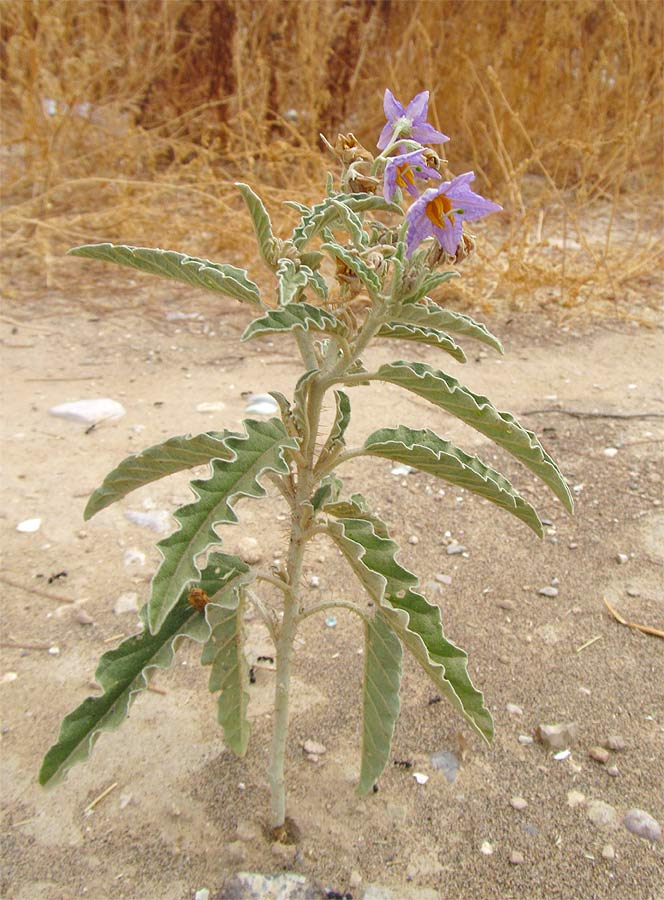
[170,824]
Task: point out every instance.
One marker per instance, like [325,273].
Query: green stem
[333,604]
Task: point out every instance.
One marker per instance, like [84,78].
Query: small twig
[581,414]
[98,799]
[17,646]
[76,378]
[275,582]
[113,637]
[589,643]
[157,690]
[646,629]
[50,595]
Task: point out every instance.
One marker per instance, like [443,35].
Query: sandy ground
[170,824]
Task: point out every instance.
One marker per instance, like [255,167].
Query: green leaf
[429,453]
[253,454]
[477,411]
[325,213]
[328,491]
[315,280]
[158,461]
[356,264]
[126,670]
[267,243]
[380,698]
[230,670]
[402,332]
[356,507]
[415,621]
[291,281]
[428,283]
[430,315]
[201,273]
[340,424]
[352,223]
[295,315]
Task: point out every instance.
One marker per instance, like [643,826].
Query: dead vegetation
[131,121]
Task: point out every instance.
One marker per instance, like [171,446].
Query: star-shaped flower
[401,171]
[409,121]
[440,212]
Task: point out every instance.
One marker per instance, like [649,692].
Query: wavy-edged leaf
[260,219]
[325,213]
[430,315]
[477,411]
[380,698]
[201,273]
[126,670]
[340,424]
[429,282]
[229,676]
[401,331]
[356,507]
[295,315]
[291,281]
[253,454]
[158,461]
[415,621]
[355,264]
[352,223]
[315,280]
[424,450]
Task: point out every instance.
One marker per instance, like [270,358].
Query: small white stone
[125,800]
[563,754]
[610,452]
[261,405]
[622,559]
[250,550]
[29,526]
[486,848]
[548,591]
[215,406]
[575,798]
[157,520]
[202,894]
[8,677]
[314,747]
[413,539]
[513,709]
[314,581]
[608,851]
[89,412]
[420,777]
[132,556]
[401,469]
[525,739]
[126,603]
[518,803]
[54,651]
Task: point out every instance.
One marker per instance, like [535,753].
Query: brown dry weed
[131,121]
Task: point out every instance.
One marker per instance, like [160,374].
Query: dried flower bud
[465,248]
[349,149]
[365,184]
[432,159]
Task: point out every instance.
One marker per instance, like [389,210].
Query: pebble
[557,737]
[548,591]
[133,556]
[83,617]
[643,825]
[608,851]
[331,622]
[562,754]
[261,405]
[202,894]
[632,591]
[506,604]
[443,579]
[54,651]
[215,406]
[446,762]
[610,452]
[314,747]
[250,551]
[455,549]
[355,879]
[575,798]
[572,545]
[420,777]
[602,814]
[486,848]
[255,886]
[401,469]
[513,709]
[413,539]
[525,739]
[613,771]
[157,520]
[615,742]
[599,754]
[516,858]
[518,803]
[8,677]
[29,526]
[126,603]
[622,558]
[125,800]
[89,412]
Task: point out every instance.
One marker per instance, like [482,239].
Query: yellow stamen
[405,176]
[437,210]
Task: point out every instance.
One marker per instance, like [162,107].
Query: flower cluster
[440,211]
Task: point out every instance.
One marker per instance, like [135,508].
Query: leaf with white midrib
[402,331]
[202,273]
[125,671]
[295,315]
[479,412]
[355,264]
[425,451]
[230,671]
[415,621]
[380,698]
[158,461]
[430,315]
[429,282]
[261,222]
[326,212]
[254,454]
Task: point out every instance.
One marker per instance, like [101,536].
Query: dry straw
[131,121]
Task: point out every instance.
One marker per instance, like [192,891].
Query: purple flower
[401,171]
[440,212]
[408,122]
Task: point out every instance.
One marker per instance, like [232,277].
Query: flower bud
[364,184]
[349,149]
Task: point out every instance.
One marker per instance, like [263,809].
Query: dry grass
[130,121]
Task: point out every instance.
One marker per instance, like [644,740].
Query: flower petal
[416,110]
[473,205]
[385,136]
[449,236]
[393,109]
[427,134]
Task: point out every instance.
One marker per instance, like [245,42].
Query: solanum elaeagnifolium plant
[357,268]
